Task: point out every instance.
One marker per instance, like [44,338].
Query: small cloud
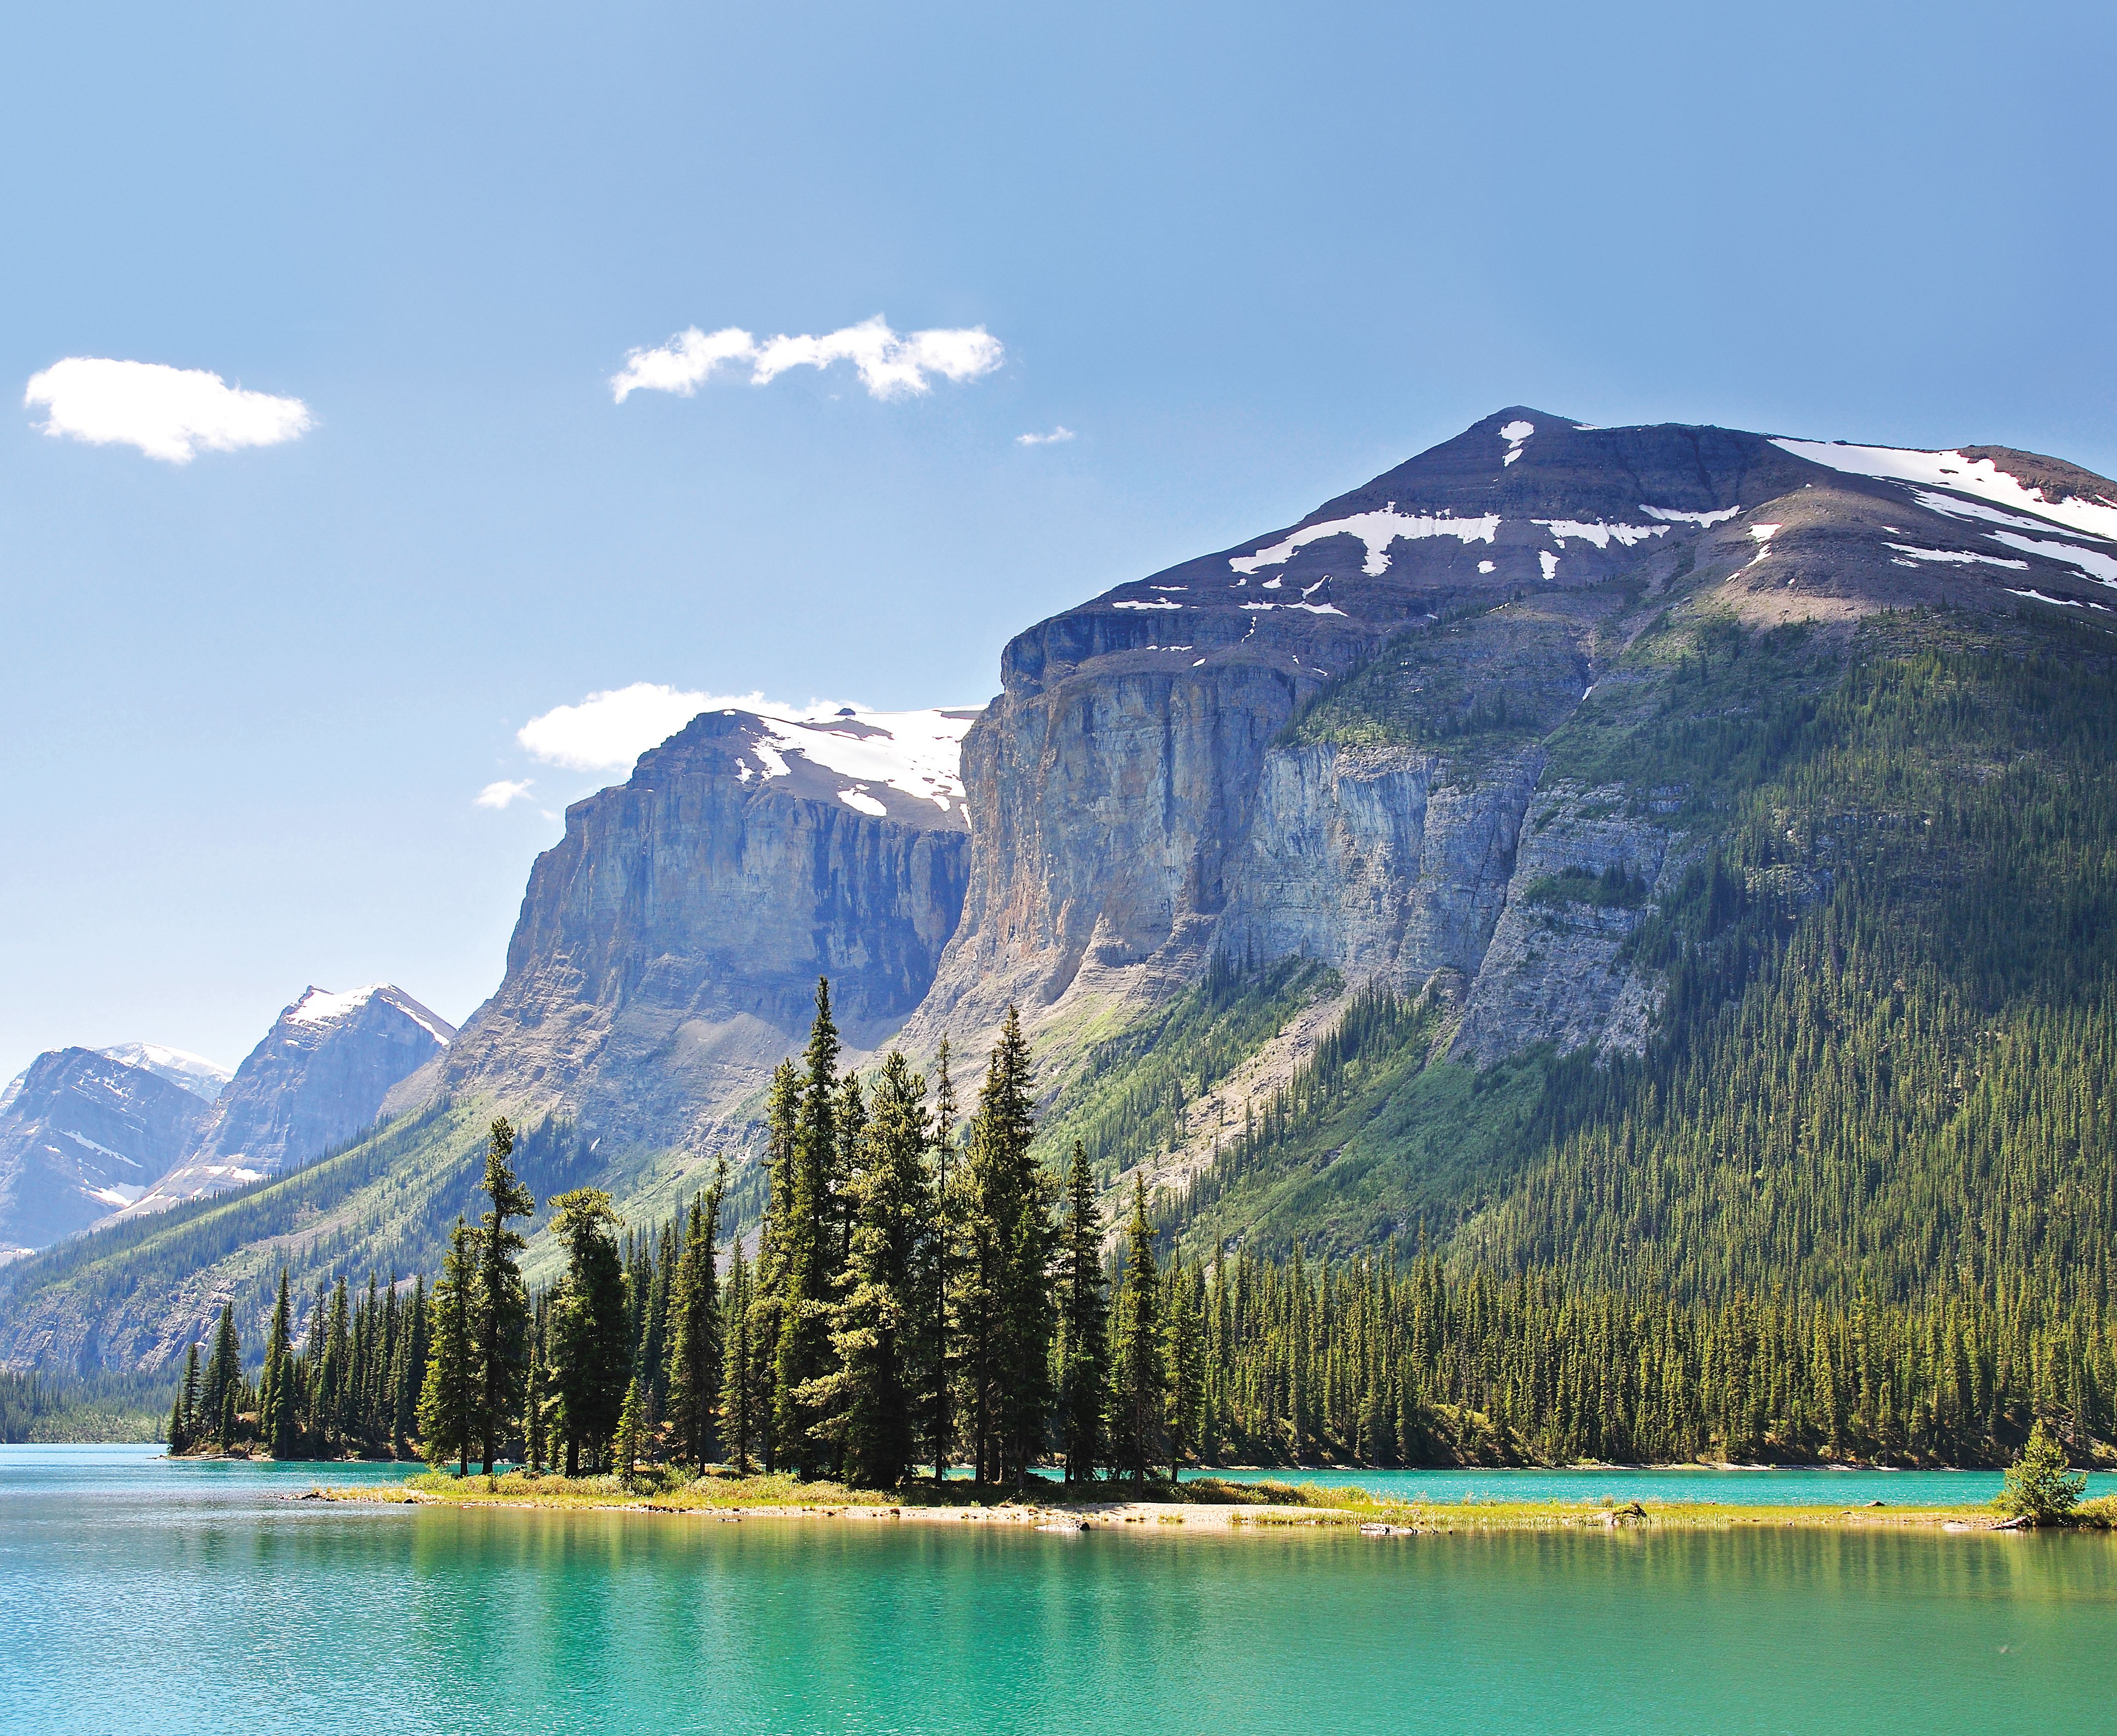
[606,731]
[171,413]
[499,795]
[889,365]
[1062,433]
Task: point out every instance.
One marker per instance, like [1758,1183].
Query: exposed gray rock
[319,1077]
[81,1134]
[666,954]
[1555,970]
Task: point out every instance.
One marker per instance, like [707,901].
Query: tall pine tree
[868,1399]
[808,1249]
[695,1367]
[1084,1325]
[448,1397]
[502,1305]
[1140,1382]
[591,1347]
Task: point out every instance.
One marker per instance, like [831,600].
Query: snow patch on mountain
[1600,535]
[1377,530]
[918,753]
[197,1075]
[1514,434]
[1705,520]
[1956,556]
[2101,568]
[320,1007]
[1951,470]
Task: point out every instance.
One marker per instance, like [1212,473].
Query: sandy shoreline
[1232,1518]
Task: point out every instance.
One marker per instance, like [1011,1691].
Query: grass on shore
[1268,1503]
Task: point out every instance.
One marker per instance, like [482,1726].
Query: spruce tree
[536,1406]
[740,1367]
[412,1367]
[695,1361]
[502,1305]
[223,1370]
[1187,1369]
[782,1115]
[867,1400]
[1140,1382]
[180,1431]
[808,1249]
[1084,1324]
[630,1426]
[188,1398]
[591,1347]
[277,1414]
[941,1262]
[448,1395]
[1005,1304]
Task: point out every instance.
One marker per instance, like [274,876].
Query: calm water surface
[140,1595]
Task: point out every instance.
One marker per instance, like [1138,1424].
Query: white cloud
[171,414]
[501,794]
[606,731]
[1060,433]
[889,365]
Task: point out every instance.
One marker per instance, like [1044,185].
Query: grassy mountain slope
[1884,1053]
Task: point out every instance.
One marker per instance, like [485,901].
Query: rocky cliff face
[1326,740]
[667,951]
[82,1134]
[319,1077]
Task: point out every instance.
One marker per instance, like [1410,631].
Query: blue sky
[1250,256]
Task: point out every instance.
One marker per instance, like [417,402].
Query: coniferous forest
[920,1300]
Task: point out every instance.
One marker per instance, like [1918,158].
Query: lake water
[141,1596]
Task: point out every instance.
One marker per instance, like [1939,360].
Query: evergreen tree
[695,1359]
[867,1400]
[1186,1371]
[223,1370]
[1084,1324]
[1005,1306]
[1140,1383]
[411,1368]
[939,1364]
[740,1367]
[629,1426]
[188,1398]
[782,1116]
[277,1413]
[591,1348]
[180,1427]
[448,1395]
[2038,1486]
[536,1407]
[807,1250]
[501,1305]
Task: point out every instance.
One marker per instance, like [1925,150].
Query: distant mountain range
[1377,878]
[90,1136]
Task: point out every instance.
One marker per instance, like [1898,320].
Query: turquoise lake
[141,1596]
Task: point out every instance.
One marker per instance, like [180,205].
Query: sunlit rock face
[319,1077]
[668,948]
[83,1134]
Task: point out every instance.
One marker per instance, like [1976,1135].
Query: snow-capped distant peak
[919,754]
[1979,477]
[320,1007]
[197,1075]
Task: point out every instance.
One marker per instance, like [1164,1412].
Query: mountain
[1658,856]
[203,1079]
[319,1077]
[82,1133]
[667,951]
